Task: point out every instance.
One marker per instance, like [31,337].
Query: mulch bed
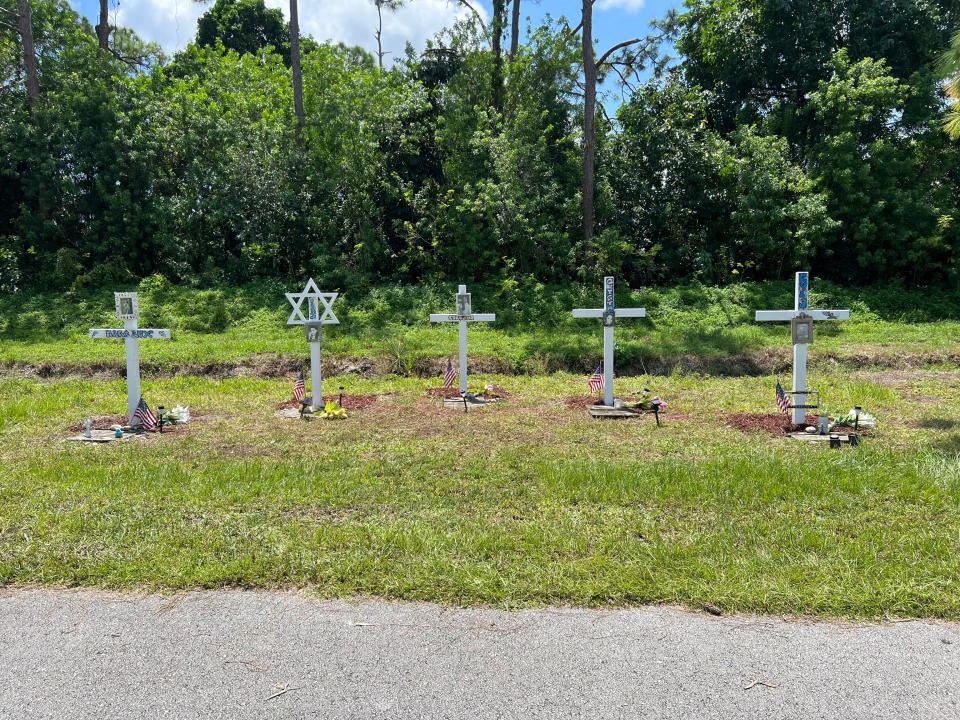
[350,402]
[772,423]
[495,392]
[443,392]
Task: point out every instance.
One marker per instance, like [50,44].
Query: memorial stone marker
[128,310]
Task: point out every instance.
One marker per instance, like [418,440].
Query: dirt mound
[443,392]
[101,422]
[495,392]
[767,361]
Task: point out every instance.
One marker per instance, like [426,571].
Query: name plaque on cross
[128,310]
[463,316]
[609,313]
[314,320]
[801,319]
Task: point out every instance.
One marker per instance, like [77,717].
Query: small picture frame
[802,330]
[609,318]
[314,333]
[128,306]
[464,305]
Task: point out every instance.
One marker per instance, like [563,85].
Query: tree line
[813,134]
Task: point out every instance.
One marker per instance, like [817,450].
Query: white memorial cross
[463,316]
[609,312]
[802,319]
[314,320]
[128,310]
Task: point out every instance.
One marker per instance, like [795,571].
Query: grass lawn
[525,503]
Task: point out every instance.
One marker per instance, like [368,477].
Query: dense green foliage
[245,26]
[790,135]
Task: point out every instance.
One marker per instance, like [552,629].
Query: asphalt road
[237,655]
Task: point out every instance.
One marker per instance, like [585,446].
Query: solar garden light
[856,417]
[463,396]
[304,404]
[341,396]
[160,410]
[834,441]
[655,404]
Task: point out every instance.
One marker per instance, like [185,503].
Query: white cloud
[628,5]
[173,23]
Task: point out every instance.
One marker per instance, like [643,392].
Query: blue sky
[172,23]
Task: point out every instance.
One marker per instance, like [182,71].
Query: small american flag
[148,421]
[450,375]
[596,380]
[299,389]
[782,400]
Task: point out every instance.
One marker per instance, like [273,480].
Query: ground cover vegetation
[386,330]
[781,136]
[528,502]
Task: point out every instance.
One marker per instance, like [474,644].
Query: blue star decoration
[314,299]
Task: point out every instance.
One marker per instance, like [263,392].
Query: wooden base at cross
[605,412]
[817,438]
[101,437]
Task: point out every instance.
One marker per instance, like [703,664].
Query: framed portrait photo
[128,307]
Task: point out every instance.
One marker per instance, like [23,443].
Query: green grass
[525,503]
[690,327]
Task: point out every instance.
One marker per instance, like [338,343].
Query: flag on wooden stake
[148,421]
[782,400]
[596,380]
[450,375]
[299,389]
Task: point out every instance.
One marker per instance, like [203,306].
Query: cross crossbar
[785,315]
[478,317]
[618,312]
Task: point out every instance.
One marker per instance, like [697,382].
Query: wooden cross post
[463,316]
[128,310]
[801,319]
[609,313]
[314,321]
